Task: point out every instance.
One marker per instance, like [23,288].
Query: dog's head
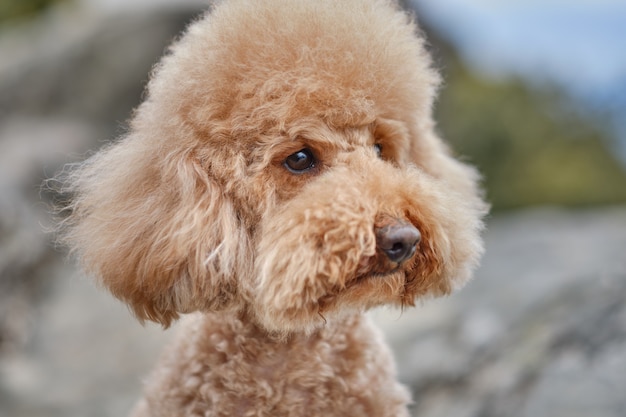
[283,164]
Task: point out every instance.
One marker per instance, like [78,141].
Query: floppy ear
[434,156]
[155,229]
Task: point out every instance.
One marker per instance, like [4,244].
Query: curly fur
[194,210]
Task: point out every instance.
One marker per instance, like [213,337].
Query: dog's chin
[376,287]
[379,276]
[358,294]
[375,267]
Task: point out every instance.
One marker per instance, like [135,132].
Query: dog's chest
[340,371]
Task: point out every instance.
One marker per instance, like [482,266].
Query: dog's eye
[378,148]
[301,161]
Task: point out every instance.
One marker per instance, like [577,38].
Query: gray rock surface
[541,331]
[88,63]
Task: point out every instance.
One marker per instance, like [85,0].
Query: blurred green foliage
[11,10]
[527,145]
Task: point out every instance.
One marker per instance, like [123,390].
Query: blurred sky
[579,45]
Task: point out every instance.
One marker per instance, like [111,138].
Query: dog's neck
[215,352]
[234,334]
[243,324]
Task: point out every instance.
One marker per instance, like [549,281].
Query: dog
[282,176]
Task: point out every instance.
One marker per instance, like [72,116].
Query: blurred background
[534,95]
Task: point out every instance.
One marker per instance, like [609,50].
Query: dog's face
[355,225]
[285,165]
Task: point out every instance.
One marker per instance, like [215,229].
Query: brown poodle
[282,177]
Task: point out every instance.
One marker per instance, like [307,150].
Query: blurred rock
[29,148]
[89,62]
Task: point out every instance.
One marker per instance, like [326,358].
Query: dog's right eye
[301,161]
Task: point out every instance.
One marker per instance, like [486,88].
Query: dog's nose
[398,241]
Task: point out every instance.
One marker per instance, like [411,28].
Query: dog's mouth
[376,267]
[374,284]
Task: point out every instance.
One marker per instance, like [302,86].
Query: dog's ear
[433,155]
[421,146]
[155,229]
[460,183]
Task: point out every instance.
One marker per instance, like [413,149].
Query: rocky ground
[541,331]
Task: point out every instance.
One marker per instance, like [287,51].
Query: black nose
[398,241]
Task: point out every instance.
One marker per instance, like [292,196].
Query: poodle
[282,176]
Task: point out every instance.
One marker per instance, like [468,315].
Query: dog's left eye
[301,161]
[378,148]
